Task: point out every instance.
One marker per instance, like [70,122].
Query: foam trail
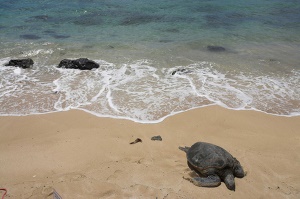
[94,99]
[110,102]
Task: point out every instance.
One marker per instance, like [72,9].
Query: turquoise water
[139,44]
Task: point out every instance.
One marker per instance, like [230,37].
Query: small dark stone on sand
[158,138]
[30,36]
[216,48]
[136,141]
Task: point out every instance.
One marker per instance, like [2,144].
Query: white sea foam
[31,53]
[142,92]
[4,61]
[18,71]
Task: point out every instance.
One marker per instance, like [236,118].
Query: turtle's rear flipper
[210,181]
[185,149]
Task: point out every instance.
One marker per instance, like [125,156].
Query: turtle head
[229,180]
[185,149]
[238,170]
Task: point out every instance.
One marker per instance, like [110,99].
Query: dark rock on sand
[216,48]
[22,63]
[136,141]
[158,138]
[81,64]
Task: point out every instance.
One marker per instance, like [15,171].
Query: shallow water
[139,45]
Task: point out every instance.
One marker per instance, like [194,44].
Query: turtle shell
[205,155]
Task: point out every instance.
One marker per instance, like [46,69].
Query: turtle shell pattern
[205,156]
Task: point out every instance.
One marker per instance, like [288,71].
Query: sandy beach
[83,156]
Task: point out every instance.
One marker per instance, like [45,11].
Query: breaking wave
[143,92]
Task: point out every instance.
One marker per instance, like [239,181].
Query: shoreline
[84,156]
[154,121]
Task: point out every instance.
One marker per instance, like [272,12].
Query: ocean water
[154,56]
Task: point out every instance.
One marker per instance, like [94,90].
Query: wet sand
[83,156]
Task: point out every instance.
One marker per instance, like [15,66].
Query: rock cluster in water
[22,63]
[81,64]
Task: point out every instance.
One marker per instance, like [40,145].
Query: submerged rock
[56,36]
[172,30]
[50,32]
[93,19]
[22,63]
[216,48]
[137,19]
[81,64]
[39,18]
[165,40]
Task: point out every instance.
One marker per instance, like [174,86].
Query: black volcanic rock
[81,64]
[22,63]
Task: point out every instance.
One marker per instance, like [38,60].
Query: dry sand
[82,156]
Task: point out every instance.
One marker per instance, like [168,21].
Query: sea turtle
[213,164]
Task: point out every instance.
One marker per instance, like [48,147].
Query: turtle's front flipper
[210,181]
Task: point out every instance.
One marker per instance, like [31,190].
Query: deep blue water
[139,44]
